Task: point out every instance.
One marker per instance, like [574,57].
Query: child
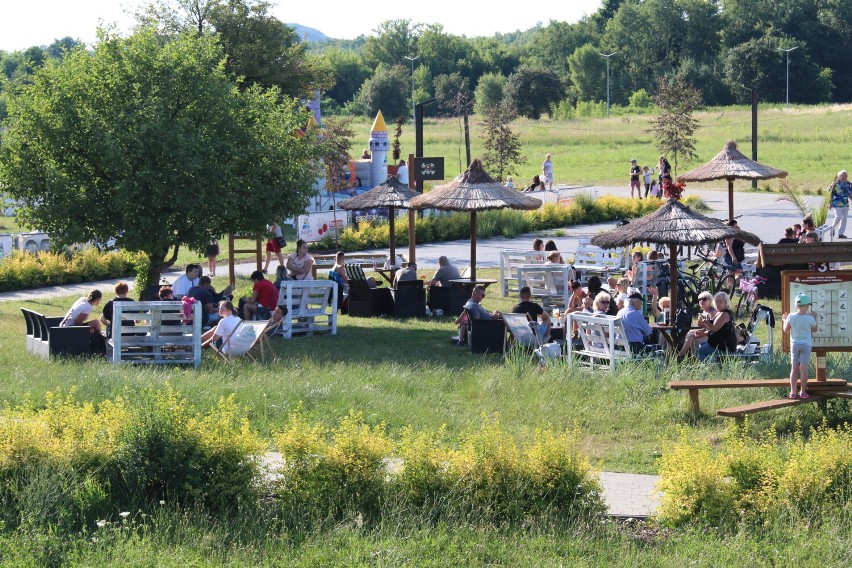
[509,182]
[801,327]
[656,189]
[646,175]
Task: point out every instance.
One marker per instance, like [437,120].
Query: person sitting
[594,286]
[81,309]
[183,283]
[789,237]
[300,264]
[509,182]
[263,297]
[203,294]
[339,270]
[444,274]
[721,335]
[659,306]
[402,172]
[602,303]
[275,320]
[221,334]
[554,257]
[534,311]
[408,273]
[695,337]
[474,305]
[621,293]
[121,290]
[365,155]
[536,184]
[636,327]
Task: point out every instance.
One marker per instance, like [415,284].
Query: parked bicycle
[748,292]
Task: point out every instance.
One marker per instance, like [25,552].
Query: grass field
[809,142]
[406,372]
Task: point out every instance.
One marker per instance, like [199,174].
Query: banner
[313,227]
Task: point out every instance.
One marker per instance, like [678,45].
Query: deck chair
[247,337]
[751,349]
[523,332]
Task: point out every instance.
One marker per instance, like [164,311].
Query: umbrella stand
[673,272]
[473,245]
[411,236]
[730,199]
[392,261]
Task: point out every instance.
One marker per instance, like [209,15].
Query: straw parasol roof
[673,224]
[474,190]
[731,164]
[392,194]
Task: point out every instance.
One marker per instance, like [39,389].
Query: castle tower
[379,146]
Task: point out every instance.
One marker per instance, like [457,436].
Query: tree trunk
[157,263]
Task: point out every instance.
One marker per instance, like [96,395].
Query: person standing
[647,173]
[841,189]
[273,245]
[635,171]
[664,172]
[547,171]
[801,326]
[211,253]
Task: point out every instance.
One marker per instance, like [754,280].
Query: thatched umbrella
[731,164]
[474,190]
[391,194]
[673,224]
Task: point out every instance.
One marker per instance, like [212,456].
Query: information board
[830,294]
[426,169]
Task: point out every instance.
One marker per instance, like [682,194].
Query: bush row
[65,465]
[23,270]
[356,469]
[585,209]
[749,481]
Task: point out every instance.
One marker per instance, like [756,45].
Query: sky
[39,22]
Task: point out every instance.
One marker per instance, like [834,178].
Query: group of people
[645,175]
[540,182]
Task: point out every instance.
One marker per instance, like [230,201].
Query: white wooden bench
[158,335]
[509,262]
[604,341]
[311,307]
[549,283]
[592,260]
[324,262]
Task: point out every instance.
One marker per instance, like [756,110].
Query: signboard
[426,169]
[313,227]
[369,215]
[831,303]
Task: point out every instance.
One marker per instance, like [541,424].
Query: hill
[309,34]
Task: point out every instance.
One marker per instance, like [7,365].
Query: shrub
[22,270]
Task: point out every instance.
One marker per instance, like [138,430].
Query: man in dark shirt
[204,295]
[533,311]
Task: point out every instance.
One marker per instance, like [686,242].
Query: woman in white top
[547,172]
[80,311]
[224,329]
[301,263]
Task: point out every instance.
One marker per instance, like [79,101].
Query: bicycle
[748,294]
[716,276]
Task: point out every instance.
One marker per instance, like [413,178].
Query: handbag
[281,242]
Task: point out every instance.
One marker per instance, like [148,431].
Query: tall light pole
[788,70]
[607,80]
[412,82]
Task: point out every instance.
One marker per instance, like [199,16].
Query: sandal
[804,395]
[792,395]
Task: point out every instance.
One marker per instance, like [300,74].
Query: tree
[386,91]
[502,146]
[349,72]
[337,140]
[489,92]
[674,128]
[531,91]
[588,74]
[153,143]
[394,40]
[449,91]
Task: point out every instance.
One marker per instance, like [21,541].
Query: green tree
[394,40]
[674,127]
[551,45]
[452,93]
[441,52]
[387,91]
[588,74]
[502,146]
[337,136]
[531,91]
[349,72]
[154,143]
[489,92]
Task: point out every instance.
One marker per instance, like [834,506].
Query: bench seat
[154,338]
[694,386]
[740,411]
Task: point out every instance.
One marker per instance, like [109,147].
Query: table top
[484,281]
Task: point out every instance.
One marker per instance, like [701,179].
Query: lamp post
[413,111]
[607,56]
[787,51]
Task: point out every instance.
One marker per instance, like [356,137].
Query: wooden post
[693,400]
[232,276]
[673,273]
[411,236]
[473,245]
[392,226]
[730,199]
[820,365]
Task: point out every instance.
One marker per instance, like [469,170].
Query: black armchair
[409,299]
[367,302]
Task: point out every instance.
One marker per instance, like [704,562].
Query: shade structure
[474,190]
[673,224]
[392,194]
[731,164]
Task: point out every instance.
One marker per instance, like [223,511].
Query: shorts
[800,353]
[212,250]
[273,246]
[634,183]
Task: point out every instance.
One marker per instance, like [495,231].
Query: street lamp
[607,80]
[788,70]
[412,81]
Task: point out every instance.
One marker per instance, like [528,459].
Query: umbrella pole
[392,237]
[673,281]
[730,200]
[473,245]
[411,235]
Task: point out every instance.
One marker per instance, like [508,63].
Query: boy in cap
[801,327]
[635,172]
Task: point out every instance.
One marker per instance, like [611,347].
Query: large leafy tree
[153,143]
[394,40]
[386,91]
[531,91]
[349,72]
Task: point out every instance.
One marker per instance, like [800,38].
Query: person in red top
[263,299]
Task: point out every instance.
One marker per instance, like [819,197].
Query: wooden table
[668,333]
[387,274]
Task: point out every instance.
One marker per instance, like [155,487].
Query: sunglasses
[703,299]
[603,302]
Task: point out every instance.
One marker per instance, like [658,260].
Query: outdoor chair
[439,298]
[249,336]
[486,335]
[409,299]
[367,302]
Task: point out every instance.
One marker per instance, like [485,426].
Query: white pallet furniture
[311,307]
[367,261]
[604,340]
[509,262]
[592,260]
[549,283]
[161,334]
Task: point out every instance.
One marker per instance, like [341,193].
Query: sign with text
[426,169]
[317,226]
[830,294]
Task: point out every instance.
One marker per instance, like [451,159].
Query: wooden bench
[592,260]
[692,387]
[311,307]
[510,260]
[604,341]
[159,334]
[549,283]
[324,262]
[45,338]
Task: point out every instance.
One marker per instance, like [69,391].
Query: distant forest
[721,47]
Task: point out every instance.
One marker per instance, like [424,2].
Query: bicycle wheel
[687,295]
[727,284]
